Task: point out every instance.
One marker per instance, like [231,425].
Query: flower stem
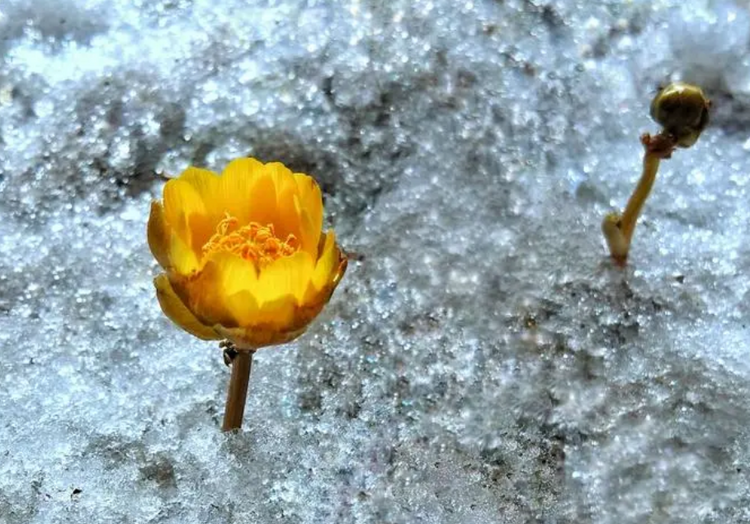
[235,411]
[638,198]
[618,229]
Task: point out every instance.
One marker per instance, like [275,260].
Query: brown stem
[618,229]
[639,196]
[237,395]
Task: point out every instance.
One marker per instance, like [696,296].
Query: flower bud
[682,109]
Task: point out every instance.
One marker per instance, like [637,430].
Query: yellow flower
[244,253]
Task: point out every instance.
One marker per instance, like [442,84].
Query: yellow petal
[184,210]
[207,184]
[311,199]
[328,263]
[311,204]
[244,308]
[184,260]
[286,276]
[289,218]
[237,273]
[178,312]
[277,315]
[236,188]
[205,290]
[261,206]
[256,337]
[158,235]
[309,236]
[238,284]
[279,173]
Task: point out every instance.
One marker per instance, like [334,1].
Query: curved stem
[237,395]
[638,198]
[618,229]
[618,245]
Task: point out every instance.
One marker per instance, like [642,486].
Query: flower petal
[237,187]
[237,274]
[185,211]
[159,234]
[311,201]
[329,264]
[178,312]
[205,290]
[205,182]
[309,236]
[277,314]
[238,284]
[286,276]
[261,206]
[244,307]
[208,186]
[184,260]
[289,219]
[258,336]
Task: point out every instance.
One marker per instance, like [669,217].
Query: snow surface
[481,362]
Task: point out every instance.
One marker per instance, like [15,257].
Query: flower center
[252,242]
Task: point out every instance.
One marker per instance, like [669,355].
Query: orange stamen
[252,242]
